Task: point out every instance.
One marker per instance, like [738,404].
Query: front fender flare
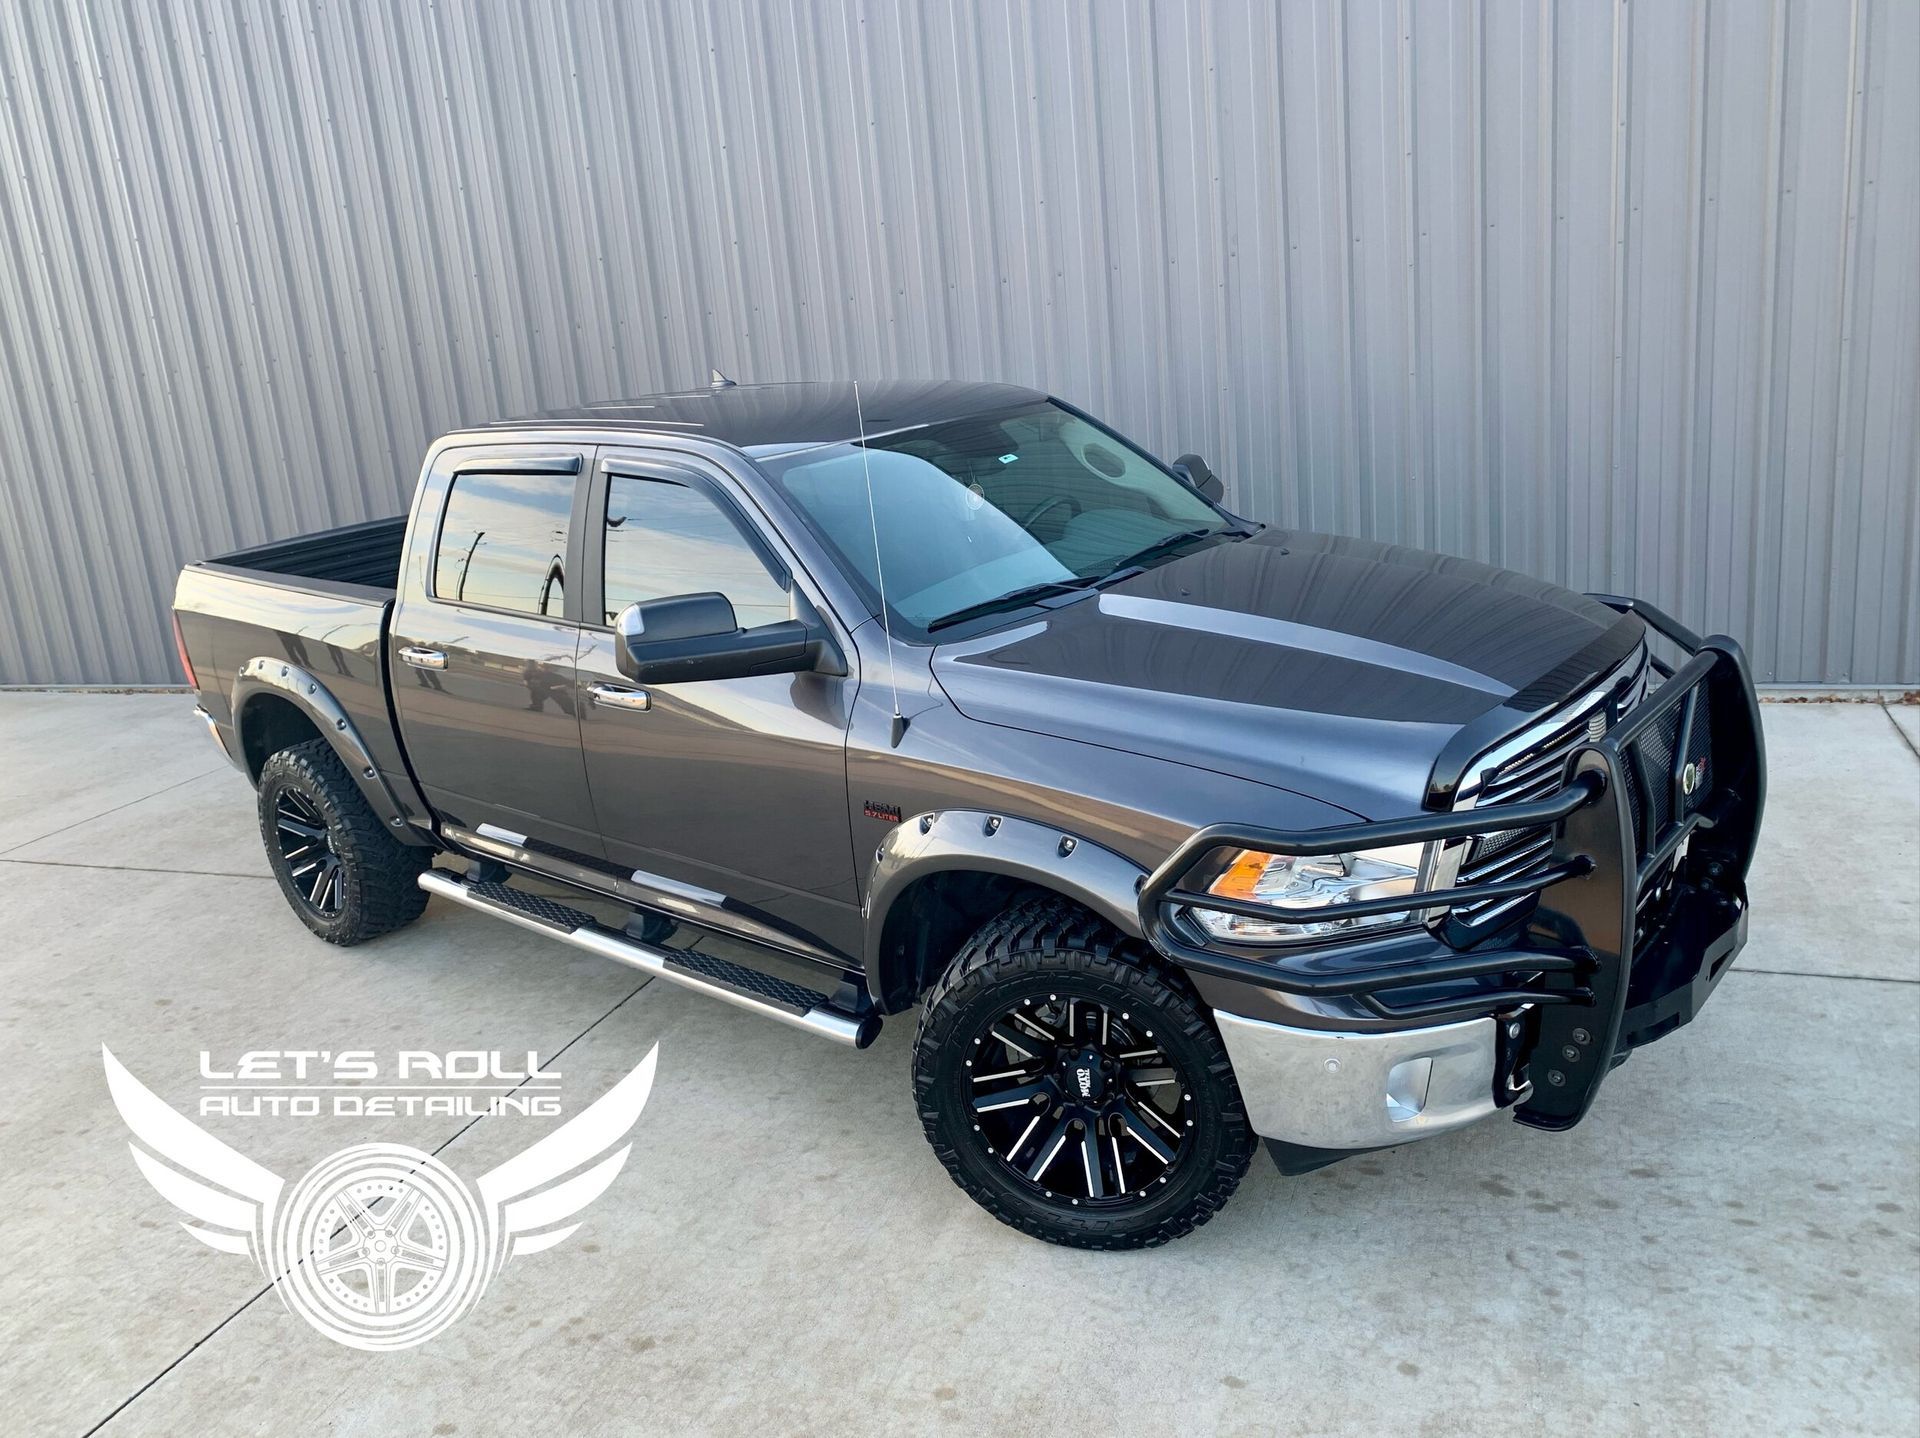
[973,839]
[264,675]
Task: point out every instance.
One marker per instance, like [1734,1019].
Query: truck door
[730,793]
[483,644]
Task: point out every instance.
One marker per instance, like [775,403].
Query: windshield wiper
[1028,594]
[1167,541]
[1013,599]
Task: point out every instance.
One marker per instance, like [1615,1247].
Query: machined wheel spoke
[1154,1116]
[1090,1162]
[1002,1074]
[1050,1147]
[1036,1028]
[298,808]
[1018,1043]
[1008,1098]
[300,827]
[1152,1078]
[324,882]
[1013,1153]
[1145,1136]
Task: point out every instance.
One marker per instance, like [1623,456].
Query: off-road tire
[378,889]
[1050,947]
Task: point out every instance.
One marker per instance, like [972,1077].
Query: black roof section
[766,416]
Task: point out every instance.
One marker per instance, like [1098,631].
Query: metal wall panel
[1620,294]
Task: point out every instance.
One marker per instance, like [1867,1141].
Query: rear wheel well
[269,724]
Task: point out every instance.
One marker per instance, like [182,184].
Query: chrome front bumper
[1328,1090]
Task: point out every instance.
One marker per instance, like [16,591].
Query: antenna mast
[879,568]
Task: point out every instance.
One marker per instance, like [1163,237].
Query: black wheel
[1073,1090]
[347,878]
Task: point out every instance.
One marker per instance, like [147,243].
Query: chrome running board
[718,978]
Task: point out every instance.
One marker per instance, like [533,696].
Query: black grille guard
[1615,842]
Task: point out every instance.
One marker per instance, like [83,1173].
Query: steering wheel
[1044,507]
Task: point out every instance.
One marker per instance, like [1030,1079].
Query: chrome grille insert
[1533,765]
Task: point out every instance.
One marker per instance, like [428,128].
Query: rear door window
[503,543]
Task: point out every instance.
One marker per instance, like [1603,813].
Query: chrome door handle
[423,658]
[612,696]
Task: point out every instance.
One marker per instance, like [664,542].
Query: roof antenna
[879,570]
[716,380]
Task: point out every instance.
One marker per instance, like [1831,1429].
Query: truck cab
[1181,831]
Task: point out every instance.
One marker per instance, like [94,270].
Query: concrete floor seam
[1804,974]
[1904,739]
[135,868]
[41,838]
[441,1148]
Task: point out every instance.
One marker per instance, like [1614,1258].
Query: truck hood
[1336,668]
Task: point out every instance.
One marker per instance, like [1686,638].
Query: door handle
[421,658]
[612,696]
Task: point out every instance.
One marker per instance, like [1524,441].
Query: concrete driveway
[1729,1244]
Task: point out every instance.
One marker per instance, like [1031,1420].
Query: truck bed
[318,601]
[364,554]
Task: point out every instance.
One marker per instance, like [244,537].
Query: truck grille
[1533,766]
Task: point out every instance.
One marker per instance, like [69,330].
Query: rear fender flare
[264,675]
[983,842]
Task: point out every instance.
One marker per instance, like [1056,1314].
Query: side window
[503,542]
[665,539]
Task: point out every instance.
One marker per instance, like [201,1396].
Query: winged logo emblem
[380,1246]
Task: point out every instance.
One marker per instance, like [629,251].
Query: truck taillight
[180,648]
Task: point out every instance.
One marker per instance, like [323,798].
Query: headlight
[1310,882]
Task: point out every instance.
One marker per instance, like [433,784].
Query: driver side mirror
[687,637]
[1199,477]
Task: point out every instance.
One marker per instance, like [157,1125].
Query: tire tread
[384,871]
[1005,948]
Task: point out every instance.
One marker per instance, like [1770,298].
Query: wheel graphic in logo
[383,1247]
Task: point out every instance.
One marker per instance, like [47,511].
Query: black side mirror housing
[1199,477]
[688,637]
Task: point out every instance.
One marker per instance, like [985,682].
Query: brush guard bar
[1641,905]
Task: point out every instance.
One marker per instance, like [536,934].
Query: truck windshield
[1027,500]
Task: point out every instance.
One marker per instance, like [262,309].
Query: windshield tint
[973,509]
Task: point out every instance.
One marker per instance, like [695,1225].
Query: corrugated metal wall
[1621,294]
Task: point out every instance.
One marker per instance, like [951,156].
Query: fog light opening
[1407,1084]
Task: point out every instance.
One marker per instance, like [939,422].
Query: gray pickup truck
[1180,830]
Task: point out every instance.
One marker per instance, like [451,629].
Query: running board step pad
[752,981]
[716,977]
[546,912]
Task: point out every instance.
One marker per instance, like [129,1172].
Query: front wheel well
[930,920]
[269,724]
